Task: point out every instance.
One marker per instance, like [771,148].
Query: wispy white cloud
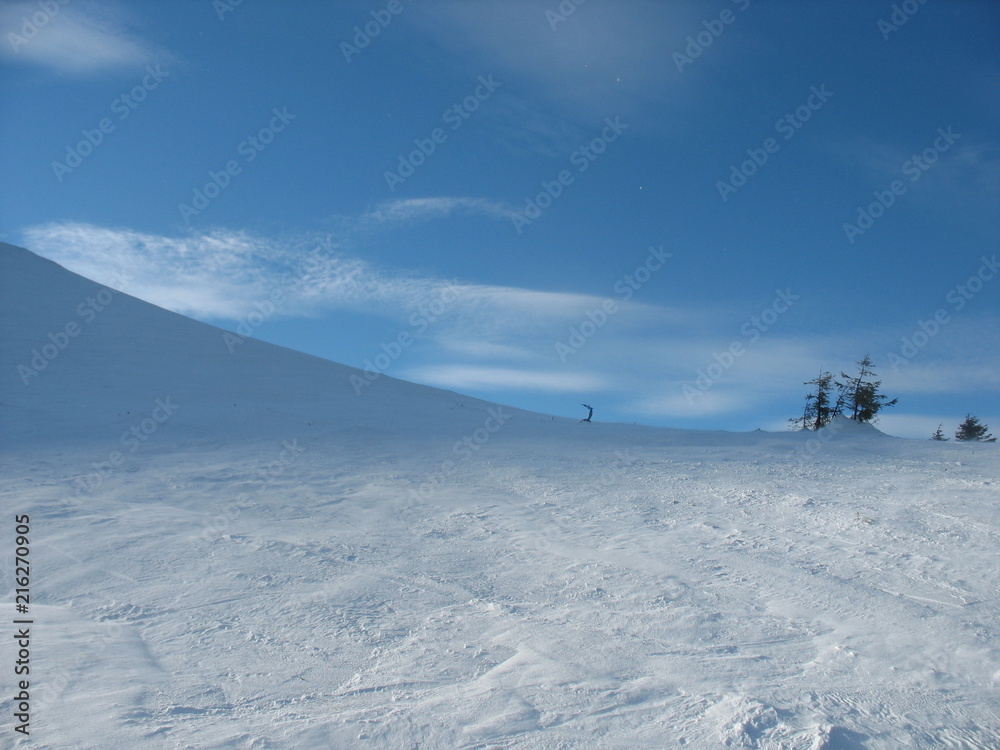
[411,210]
[485,350]
[676,405]
[593,64]
[525,128]
[707,382]
[947,168]
[221,274]
[937,376]
[76,39]
[983,160]
[466,377]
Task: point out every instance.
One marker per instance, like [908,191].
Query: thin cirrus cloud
[675,404]
[79,39]
[915,376]
[478,377]
[945,168]
[591,60]
[410,210]
[222,273]
[215,275]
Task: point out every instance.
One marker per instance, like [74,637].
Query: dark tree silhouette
[971,429]
[817,412]
[860,395]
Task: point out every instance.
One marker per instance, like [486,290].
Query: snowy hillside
[231,548]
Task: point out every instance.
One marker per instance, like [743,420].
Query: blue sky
[677,212]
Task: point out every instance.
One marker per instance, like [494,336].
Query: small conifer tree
[860,395]
[938,434]
[802,423]
[818,411]
[971,429]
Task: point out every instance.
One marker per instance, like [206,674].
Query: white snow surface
[232,549]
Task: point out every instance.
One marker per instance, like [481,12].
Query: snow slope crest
[77,358]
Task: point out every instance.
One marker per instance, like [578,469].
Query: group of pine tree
[858,398]
[970,429]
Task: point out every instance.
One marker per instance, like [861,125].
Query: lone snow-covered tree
[817,412]
[938,434]
[860,395]
[971,429]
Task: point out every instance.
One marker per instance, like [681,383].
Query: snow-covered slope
[231,548]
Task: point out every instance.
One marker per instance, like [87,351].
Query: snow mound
[747,723]
[848,427]
[78,360]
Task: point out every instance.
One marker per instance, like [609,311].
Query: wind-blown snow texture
[234,550]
